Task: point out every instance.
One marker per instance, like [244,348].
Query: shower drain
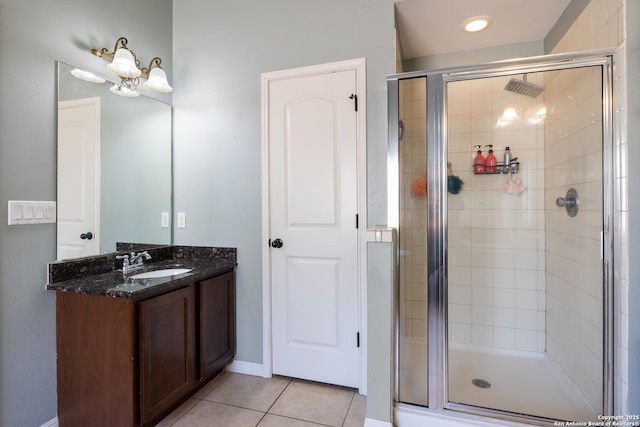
[480,383]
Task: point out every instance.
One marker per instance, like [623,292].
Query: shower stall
[504,268]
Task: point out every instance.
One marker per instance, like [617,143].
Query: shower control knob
[570,202]
[86,236]
[277,243]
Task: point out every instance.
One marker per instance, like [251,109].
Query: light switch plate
[182,220]
[31,212]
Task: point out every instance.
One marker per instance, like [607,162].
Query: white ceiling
[433,27]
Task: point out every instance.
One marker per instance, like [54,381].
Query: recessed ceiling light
[476,23]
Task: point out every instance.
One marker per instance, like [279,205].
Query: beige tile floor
[236,400]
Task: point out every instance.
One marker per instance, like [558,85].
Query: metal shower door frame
[437,208]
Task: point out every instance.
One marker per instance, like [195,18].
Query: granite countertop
[81,276]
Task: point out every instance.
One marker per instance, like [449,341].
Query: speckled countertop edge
[101,275]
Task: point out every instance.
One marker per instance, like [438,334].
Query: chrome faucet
[137,260]
[133,261]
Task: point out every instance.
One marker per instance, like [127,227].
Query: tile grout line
[344,420]
[199,400]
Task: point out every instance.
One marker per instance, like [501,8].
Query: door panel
[78,151]
[313,207]
[313,283]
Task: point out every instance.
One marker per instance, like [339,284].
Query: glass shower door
[526,288]
[412,241]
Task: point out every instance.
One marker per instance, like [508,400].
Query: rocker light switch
[30,212]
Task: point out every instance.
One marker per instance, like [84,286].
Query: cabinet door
[217,323]
[167,350]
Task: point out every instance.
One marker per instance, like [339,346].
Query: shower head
[523,87]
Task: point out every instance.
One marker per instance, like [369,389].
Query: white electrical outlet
[182,220]
[164,220]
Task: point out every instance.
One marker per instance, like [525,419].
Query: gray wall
[220,51]
[33,35]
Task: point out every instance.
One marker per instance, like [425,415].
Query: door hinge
[358,339]
[357,221]
[355,100]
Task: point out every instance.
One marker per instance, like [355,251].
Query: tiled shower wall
[496,240]
[601,25]
[573,157]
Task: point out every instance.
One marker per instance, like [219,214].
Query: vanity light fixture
[86,76]
[476,23]
[125,64]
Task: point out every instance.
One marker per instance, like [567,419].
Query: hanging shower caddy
[508,166]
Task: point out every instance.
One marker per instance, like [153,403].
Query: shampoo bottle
[490,161]
[507,160]
[479,161]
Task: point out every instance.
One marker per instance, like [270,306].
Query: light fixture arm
[104,52]
[155,62]
[121,43]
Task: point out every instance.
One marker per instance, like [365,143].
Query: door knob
[277,243]
[86,236]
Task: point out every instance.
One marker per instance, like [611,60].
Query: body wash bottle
[479,161]
[490,161]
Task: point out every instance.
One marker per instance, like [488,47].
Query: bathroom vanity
[129,351]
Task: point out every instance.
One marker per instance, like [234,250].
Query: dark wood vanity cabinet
[217,323]
[167,350]
[124,362]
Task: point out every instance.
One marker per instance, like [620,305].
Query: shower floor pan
[520,381]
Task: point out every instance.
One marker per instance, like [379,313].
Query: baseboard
[247,368]
[370,422]
[51,423]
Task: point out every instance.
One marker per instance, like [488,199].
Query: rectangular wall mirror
[114,181]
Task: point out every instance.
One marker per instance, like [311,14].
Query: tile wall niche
[496,240]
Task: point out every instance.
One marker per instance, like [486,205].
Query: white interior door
[78,169]
[313,203]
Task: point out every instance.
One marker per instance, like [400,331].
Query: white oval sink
[160,273]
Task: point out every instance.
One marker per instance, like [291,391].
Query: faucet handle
[125,259]
[125,263]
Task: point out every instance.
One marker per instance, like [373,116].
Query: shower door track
[437,229]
